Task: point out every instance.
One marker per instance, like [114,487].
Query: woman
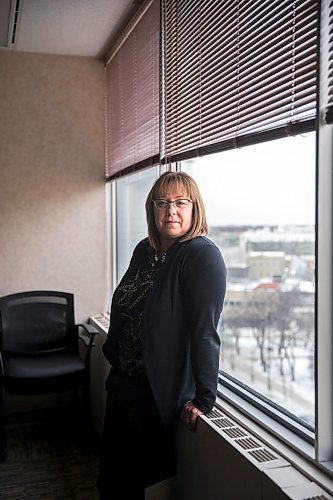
[162,344]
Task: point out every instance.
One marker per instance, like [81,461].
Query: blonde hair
[165,185]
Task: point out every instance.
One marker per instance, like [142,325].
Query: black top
[180,343]
[130,298]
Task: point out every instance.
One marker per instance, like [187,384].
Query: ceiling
[64,27]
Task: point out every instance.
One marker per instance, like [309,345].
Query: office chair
[39,348]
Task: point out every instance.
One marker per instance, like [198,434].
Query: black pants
[136,450]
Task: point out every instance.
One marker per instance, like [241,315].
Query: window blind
[132,96]
[329,107]
[236,73]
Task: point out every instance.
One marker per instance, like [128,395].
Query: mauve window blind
[236,73]
[132,96]
[329,105]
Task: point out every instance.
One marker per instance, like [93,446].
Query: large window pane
[131,194]
[260,203]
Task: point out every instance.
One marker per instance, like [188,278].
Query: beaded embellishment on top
[130,298]
[156,259]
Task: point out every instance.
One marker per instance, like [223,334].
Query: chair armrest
[88,337]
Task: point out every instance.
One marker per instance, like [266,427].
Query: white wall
[52,191]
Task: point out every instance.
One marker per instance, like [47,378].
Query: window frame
[324,253]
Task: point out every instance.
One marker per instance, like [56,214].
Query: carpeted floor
[50,456]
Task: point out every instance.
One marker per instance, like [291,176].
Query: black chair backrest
[38,321]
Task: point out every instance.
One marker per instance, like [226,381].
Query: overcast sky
[270,183]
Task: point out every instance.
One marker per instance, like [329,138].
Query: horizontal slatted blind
[236,72]
[132,96]
[329,108]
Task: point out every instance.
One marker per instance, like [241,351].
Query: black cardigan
[180,344]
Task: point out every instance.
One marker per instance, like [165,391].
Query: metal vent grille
[223,422]
[234,432]
[253,448]
[248,443]
[214,414]
[15,21]
[240,436]
[102,321]
[9,21]
[316,497]
[262,455]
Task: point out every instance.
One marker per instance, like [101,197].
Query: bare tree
[284,321]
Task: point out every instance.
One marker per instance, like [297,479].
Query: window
[238,80]
[241,110]
[131,227]
[260,203]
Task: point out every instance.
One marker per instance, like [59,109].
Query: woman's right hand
[189,415]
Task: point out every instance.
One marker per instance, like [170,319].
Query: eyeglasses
[161,204]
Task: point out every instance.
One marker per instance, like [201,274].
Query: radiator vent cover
[223,423]
[248,443]
[317,497]
[263,458]
[235,432]
[262,455]
[102,321]
[241,437]
[9,20]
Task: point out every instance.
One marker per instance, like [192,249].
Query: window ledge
[278,438]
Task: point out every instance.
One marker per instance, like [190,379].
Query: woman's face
[173,222]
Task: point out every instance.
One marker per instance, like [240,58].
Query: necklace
[156,258]
[163,257]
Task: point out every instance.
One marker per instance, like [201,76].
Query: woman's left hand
[189,415]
